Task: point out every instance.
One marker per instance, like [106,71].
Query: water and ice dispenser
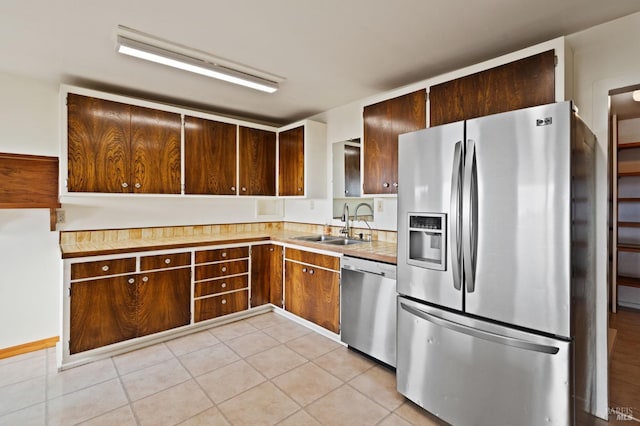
[428,240]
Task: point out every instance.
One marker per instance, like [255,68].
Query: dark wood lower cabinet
[313,294]
[266,275]
[103,312]
[164,299]
[111,310]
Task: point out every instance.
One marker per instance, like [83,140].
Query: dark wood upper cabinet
[99,155]
[383,122]
[155,147]
[119,148]
[520,84]
[257,161]
[210,157]
[28,181]
[291,162]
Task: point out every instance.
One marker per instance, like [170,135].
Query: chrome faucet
[345,219]
[365,220]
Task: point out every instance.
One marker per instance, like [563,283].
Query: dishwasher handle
[356,269]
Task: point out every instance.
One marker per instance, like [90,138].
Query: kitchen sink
[344,241]
[318,237]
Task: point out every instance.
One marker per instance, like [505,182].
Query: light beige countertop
[384,251]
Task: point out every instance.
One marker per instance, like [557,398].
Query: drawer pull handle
[224,254]
[224,269]
[224,301]
[224,285]
[131,280]
[145,279]
[167,261]
[105,268]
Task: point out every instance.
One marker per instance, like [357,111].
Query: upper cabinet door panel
[98,145]
[520,84]
[155,147]
[257,162]
[210,157]
[291,162]
[383,122]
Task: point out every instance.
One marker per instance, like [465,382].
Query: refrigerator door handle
[470,216]
[480,334]
[455,224]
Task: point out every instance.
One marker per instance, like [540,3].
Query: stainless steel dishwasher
[368,307]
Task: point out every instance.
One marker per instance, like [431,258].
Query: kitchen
[26,235]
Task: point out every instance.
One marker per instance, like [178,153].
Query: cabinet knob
[311,271]
[105,268]
[224,301]
[233,188]
[271,249]
[244,189]
[385,184]
[299,189]
[131,280]
[224,269]
[395,184]
[224,254]
[137,185]
[145,279]
[167,261]
[304,269]
[125,184]
[223,285]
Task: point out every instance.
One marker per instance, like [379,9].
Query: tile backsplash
[157,233]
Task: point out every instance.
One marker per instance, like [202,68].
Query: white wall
[30,268]
[605,57]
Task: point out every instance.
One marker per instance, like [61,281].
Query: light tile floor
[262,370]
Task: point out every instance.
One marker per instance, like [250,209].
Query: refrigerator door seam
[480,334]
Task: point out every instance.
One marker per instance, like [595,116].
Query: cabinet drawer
[164,261]
[221,254]
[221,269]
[221,285]
[102,268]
[216,306]
[322,260]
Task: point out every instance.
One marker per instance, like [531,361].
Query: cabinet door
[351,171]
[155,148]
[164,300]
[383,122]
[98,136]
[266,275]
[257,162]
[103,312]
[519,84]
[313,294]
[291,162]
[210,157]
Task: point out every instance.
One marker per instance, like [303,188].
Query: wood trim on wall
[29,347]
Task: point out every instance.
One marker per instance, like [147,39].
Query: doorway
[624,294]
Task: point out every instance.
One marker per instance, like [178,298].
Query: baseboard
[29,347]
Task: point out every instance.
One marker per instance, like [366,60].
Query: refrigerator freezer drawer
[469,372]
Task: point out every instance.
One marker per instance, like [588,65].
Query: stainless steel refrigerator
[496,305]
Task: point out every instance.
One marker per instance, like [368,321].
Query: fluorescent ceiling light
[636,95]
[159,55]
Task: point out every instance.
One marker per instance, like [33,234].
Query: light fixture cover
[636,95]
[145,50]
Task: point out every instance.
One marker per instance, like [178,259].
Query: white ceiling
[331,52]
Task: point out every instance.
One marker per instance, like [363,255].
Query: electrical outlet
[379,206]
[60,216]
